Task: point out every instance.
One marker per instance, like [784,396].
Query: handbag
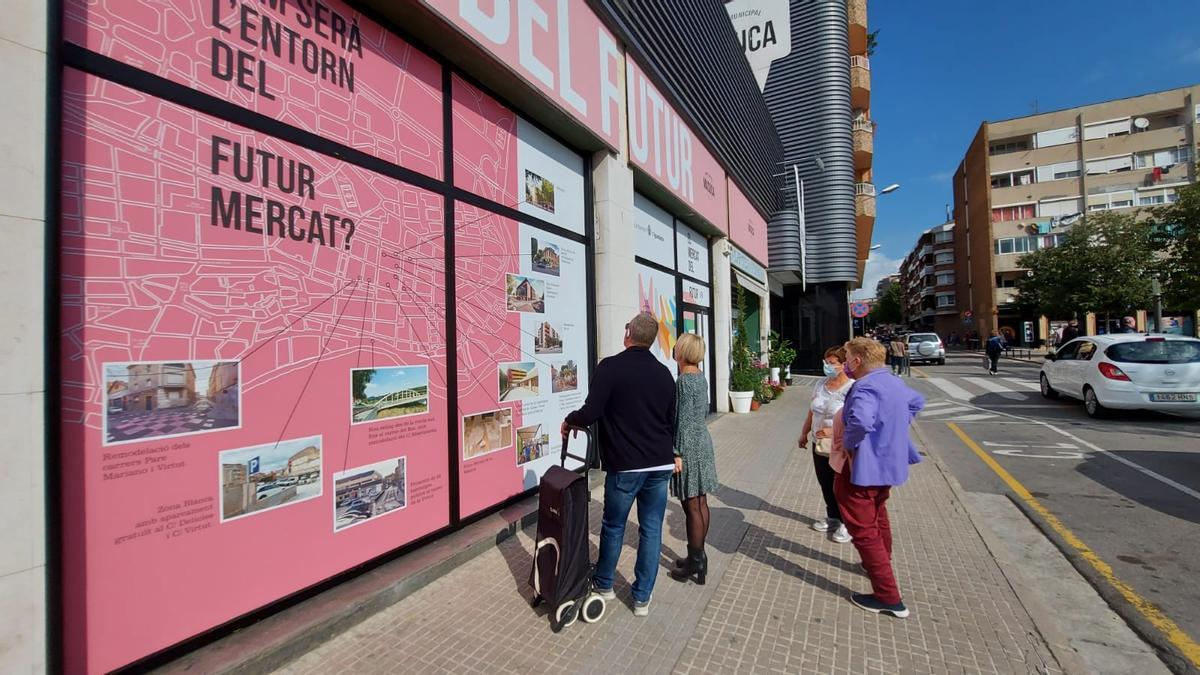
[821,446]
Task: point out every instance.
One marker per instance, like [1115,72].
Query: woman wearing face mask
[828,397]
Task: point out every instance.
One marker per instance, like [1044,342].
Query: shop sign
[662,145]
[696,294]
[746,264]
[747,228]
[559,47]
[692,252]
[764,29]
[653,233]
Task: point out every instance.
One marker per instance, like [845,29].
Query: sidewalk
[776,598]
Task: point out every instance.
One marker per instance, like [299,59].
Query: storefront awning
[751,285]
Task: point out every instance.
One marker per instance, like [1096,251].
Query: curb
[1027,595]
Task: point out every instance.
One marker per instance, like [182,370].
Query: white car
[926,347]
[1126,372]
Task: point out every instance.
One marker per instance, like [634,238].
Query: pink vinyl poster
[559,47]
[254,370]
[662,145]
[747,228]
[322,67]
[485,144]
[522,346]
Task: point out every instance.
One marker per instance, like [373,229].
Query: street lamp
[820,164]
[891,188]
[876,247]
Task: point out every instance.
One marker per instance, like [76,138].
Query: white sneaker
[642,608]
[841,535]
[608,594]
[821,525]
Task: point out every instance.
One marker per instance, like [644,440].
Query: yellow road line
[918,371]
[1169,629]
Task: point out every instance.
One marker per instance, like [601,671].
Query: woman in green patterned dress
[695,466]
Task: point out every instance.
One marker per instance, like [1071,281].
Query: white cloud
[940,176]
[878,267]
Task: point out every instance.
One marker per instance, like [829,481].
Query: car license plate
[1163,398]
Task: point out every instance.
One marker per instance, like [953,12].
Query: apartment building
[885,284]
[928,281]
[1023,182]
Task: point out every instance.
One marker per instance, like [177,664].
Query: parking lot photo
[518,380]
[164,399]
[384,393]
[487,432]
[532,444]
[265,477]
[544,256]
[539,191]
[366,492]
[525,294]
[564,376]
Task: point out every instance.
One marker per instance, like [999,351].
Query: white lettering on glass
[529,13]
[494,26]
[610,93]
[564,60]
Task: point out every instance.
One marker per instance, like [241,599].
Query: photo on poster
[518,380]
[545,257]
[386,393]
[162,399]
[547,339]
[564,376]
[539,191]
[487,432]
[369,491]
[525,294]
[532,444]
[265,477]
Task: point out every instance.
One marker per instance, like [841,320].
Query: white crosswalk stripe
[951,410]
[1022,384]
[937,404]
[952,390]
[971,418]
[994,387]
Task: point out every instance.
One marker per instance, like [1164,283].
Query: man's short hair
[642,329]
[690,348]
[1129,320]
[871,352]
[839,352]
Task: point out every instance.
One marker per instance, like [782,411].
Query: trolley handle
[587,455]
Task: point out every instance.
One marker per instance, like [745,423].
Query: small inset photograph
[532,443]
[525,294]
[546,339]
[544,256]
[383,393]
[265,477]
[564,376]
[539,191]
[162,399]
[487,432]
[365,492]
[518,380]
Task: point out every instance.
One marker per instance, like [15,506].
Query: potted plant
[743,376]
[781,356]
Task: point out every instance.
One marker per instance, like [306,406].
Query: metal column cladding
[808,93]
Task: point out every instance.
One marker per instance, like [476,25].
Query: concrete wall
[22,337]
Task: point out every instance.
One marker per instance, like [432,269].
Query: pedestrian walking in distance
[899,351]
[877,415]
[995,346]
[695,465]
[1069,332]
[1129,325]
[632,396]
[827,399]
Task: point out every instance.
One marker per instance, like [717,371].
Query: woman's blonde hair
[690,348]
[871,352]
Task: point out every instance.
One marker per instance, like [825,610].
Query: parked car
[1126,372]
[926,348]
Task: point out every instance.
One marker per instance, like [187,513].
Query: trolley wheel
[566,614]
[593,609]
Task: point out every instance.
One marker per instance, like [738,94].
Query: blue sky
[390,380]
[944,66]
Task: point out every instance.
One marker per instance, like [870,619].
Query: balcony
[864,205]
[858,26]
[864,143]
[860,82]
[1005,296]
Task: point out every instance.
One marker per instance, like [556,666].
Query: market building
[303,190]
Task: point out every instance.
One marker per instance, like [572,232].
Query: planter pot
[754,405]
[774,376]
[741,400]
[787,375]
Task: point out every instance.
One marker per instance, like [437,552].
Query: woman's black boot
[695,567]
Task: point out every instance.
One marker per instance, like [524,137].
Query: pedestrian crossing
[957,404]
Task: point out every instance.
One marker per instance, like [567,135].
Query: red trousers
[864,513]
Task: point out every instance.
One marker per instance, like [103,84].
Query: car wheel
[1092,405]
[1047,390]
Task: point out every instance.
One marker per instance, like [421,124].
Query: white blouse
[826,403]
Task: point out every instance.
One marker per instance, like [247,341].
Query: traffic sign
[860,309]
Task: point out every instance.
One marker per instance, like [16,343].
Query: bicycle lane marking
[1164,624]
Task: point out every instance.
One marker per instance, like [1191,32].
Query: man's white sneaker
[607,594]
[641,608]
[821,525]
[841,535]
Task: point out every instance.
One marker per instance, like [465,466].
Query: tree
[1105,264]
[1177,228]
[359,380]
[872,42]
[889,308]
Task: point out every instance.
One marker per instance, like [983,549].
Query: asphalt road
[1128,487]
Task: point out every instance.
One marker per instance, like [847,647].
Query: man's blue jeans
[649,490]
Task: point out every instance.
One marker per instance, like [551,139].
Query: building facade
[928,284]
[371,197]
[811,58]
[1024,181]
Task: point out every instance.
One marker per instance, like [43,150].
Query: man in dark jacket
[632,395]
